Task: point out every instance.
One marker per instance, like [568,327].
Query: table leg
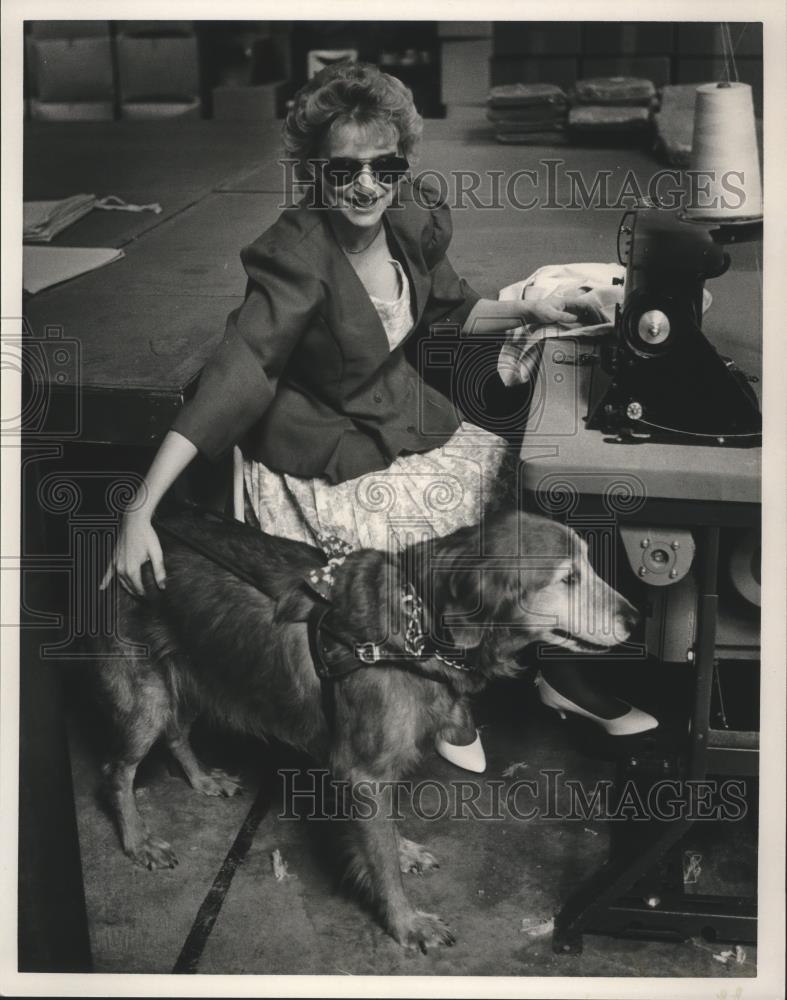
[598,902]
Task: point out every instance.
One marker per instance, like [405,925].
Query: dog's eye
[570,578]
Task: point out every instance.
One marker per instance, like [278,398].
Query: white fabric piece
[517,362]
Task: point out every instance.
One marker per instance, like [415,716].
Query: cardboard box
[464,29]
[151,110]
[155,29]
[704,38]
[160,69]
[76,111]
[249,104]
[561,70]
[318,59]
[69,29]
[628,38]
[657,69]
[71,69]
[464,70]
[537,38]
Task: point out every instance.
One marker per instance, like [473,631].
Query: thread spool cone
[723,181]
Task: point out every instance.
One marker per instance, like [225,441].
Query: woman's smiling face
[362,202]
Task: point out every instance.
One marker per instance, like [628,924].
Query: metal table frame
[604,903]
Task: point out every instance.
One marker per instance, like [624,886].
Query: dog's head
[517,579]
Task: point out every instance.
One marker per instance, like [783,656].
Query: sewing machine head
[661,379]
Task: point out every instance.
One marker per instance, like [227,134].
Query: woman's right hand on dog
[137,544]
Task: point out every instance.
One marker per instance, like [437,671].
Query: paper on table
[45,266]
[43,220]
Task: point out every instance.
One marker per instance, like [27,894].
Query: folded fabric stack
[533,113]
[611,107]
[43,220]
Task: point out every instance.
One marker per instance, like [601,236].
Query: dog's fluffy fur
[217,644]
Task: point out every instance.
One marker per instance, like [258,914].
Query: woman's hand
[137,541]
[566,307]
[137,544]
[573,306]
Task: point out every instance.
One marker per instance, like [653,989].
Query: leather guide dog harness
[334,655]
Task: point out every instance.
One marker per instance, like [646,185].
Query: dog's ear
[478,578]
[468,636]
[473,602]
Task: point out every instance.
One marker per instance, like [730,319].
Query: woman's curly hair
[349,92]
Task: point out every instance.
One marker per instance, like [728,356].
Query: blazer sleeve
[451,297]
[239,380]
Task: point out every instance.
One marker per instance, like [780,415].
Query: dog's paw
[415,858]
[153,853]
[217,782]
[424,930]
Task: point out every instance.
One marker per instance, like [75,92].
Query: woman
[338,433]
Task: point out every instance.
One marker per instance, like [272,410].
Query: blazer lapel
[404,224]
[405,227]
[357,313]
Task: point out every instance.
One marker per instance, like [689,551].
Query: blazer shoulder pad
[288,234]
[427,195]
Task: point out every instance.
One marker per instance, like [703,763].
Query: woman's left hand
[571,306]
[564,307]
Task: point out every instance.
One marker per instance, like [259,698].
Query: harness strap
[332,657]
[331,662]
[209,553]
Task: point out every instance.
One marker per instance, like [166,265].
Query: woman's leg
[564,688]
[575,682]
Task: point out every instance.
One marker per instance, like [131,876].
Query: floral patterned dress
[419,494]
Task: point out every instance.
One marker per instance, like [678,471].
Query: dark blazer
[304,378]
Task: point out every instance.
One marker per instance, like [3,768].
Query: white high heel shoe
[471,757]
[631,722]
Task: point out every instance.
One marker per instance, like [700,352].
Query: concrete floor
[495,877]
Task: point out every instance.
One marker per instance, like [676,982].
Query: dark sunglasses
[340,171]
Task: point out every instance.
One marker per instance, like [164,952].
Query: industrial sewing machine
[661,379]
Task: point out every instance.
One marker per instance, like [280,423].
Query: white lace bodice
[396,316]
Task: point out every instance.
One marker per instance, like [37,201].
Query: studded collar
[335,657]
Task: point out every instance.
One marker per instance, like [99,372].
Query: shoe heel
[561,713]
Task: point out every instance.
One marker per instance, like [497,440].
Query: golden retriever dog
[411,635]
